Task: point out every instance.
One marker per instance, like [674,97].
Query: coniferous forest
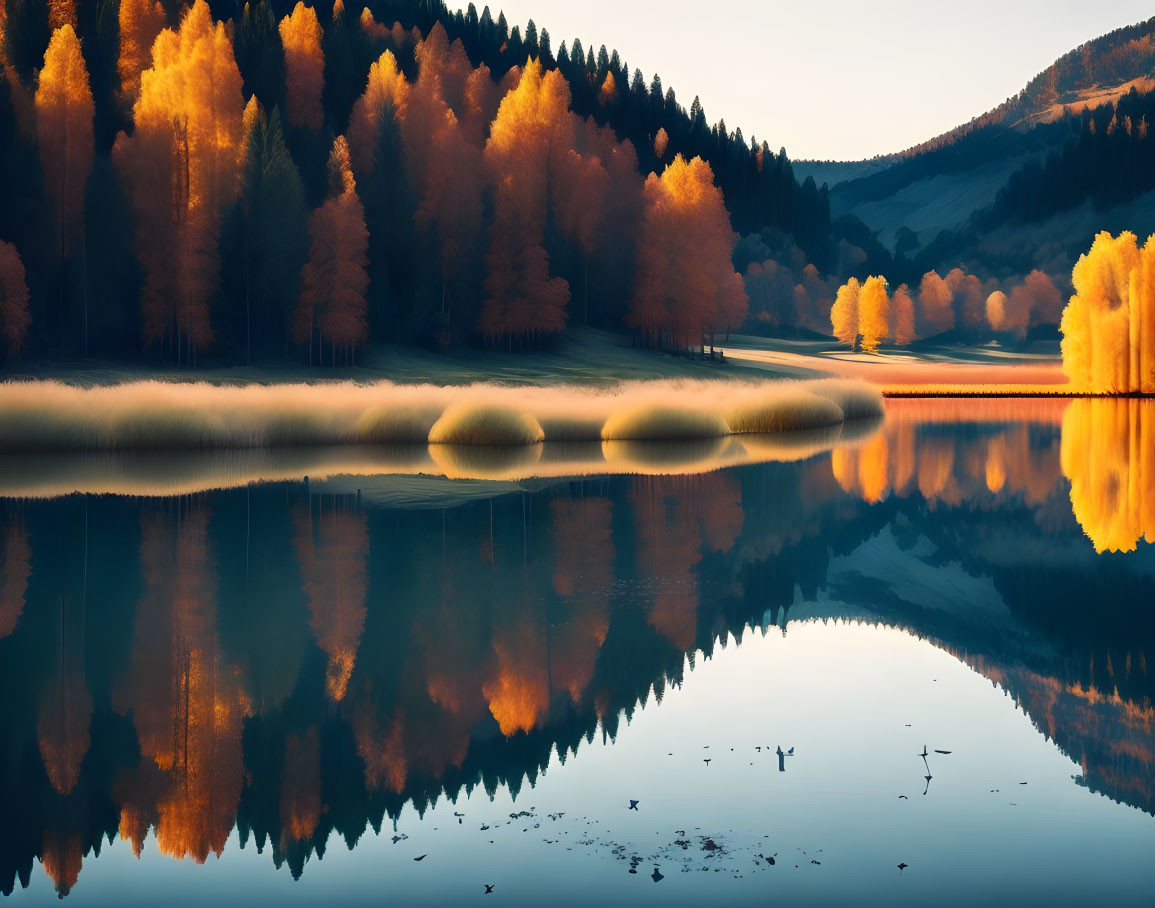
[224,181]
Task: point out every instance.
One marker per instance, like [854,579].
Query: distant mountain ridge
[1027,184]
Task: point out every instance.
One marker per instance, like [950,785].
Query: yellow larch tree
[844,312]
[384,97]
[181,167]
[64,117]
[1105,326]
[304,68]
[873,313]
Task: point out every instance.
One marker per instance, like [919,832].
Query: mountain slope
[941,184]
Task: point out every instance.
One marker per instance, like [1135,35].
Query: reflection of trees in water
[469,644]
[185,703]
[14,568]
[1109,457]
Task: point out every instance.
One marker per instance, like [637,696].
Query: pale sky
[837,79]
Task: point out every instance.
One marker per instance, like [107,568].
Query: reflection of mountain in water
[297,664]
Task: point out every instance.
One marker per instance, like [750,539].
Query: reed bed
[50,416]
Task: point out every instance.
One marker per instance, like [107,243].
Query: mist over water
[293,686]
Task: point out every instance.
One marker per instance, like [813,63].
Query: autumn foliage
[140,23]
[527,146]
[491,208]
[1109,325]
[863,311]
[332,307]
[64,114]
[686,287]
[181,167]
[304,67]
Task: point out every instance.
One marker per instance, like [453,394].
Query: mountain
[1075,135]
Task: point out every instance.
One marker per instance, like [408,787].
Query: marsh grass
[50,416]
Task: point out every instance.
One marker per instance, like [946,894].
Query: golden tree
[384,97]
[304,68]
[332,306]
[64,117]
[14,317]
[140,23]
[1109,325]
[844,312]
[529,138]
[181,167]
[686,287]
[873,313]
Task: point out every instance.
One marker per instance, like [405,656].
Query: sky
[833,79]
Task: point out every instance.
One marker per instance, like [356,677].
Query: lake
[906,666]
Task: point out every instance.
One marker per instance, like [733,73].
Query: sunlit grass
[152,415]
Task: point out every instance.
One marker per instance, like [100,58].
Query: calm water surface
[288,693]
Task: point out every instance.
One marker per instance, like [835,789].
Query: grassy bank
[52,416]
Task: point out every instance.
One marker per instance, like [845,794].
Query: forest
[218,182]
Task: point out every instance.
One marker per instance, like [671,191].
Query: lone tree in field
[332,306]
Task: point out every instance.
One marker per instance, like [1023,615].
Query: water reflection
[297,659]
[1109,456]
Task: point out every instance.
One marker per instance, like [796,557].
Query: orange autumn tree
[661,143]
[61,13]
[181,168]
[64,117]
[581,199]
[844,312]
[14,317]
[140,22]
[530,136]
[332,306]
[935,314]
[686,287]
[902,316]
[384,97]
[873,313]
[304,68]
[444,166]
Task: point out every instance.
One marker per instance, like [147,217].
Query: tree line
[866,313]
[232,180]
